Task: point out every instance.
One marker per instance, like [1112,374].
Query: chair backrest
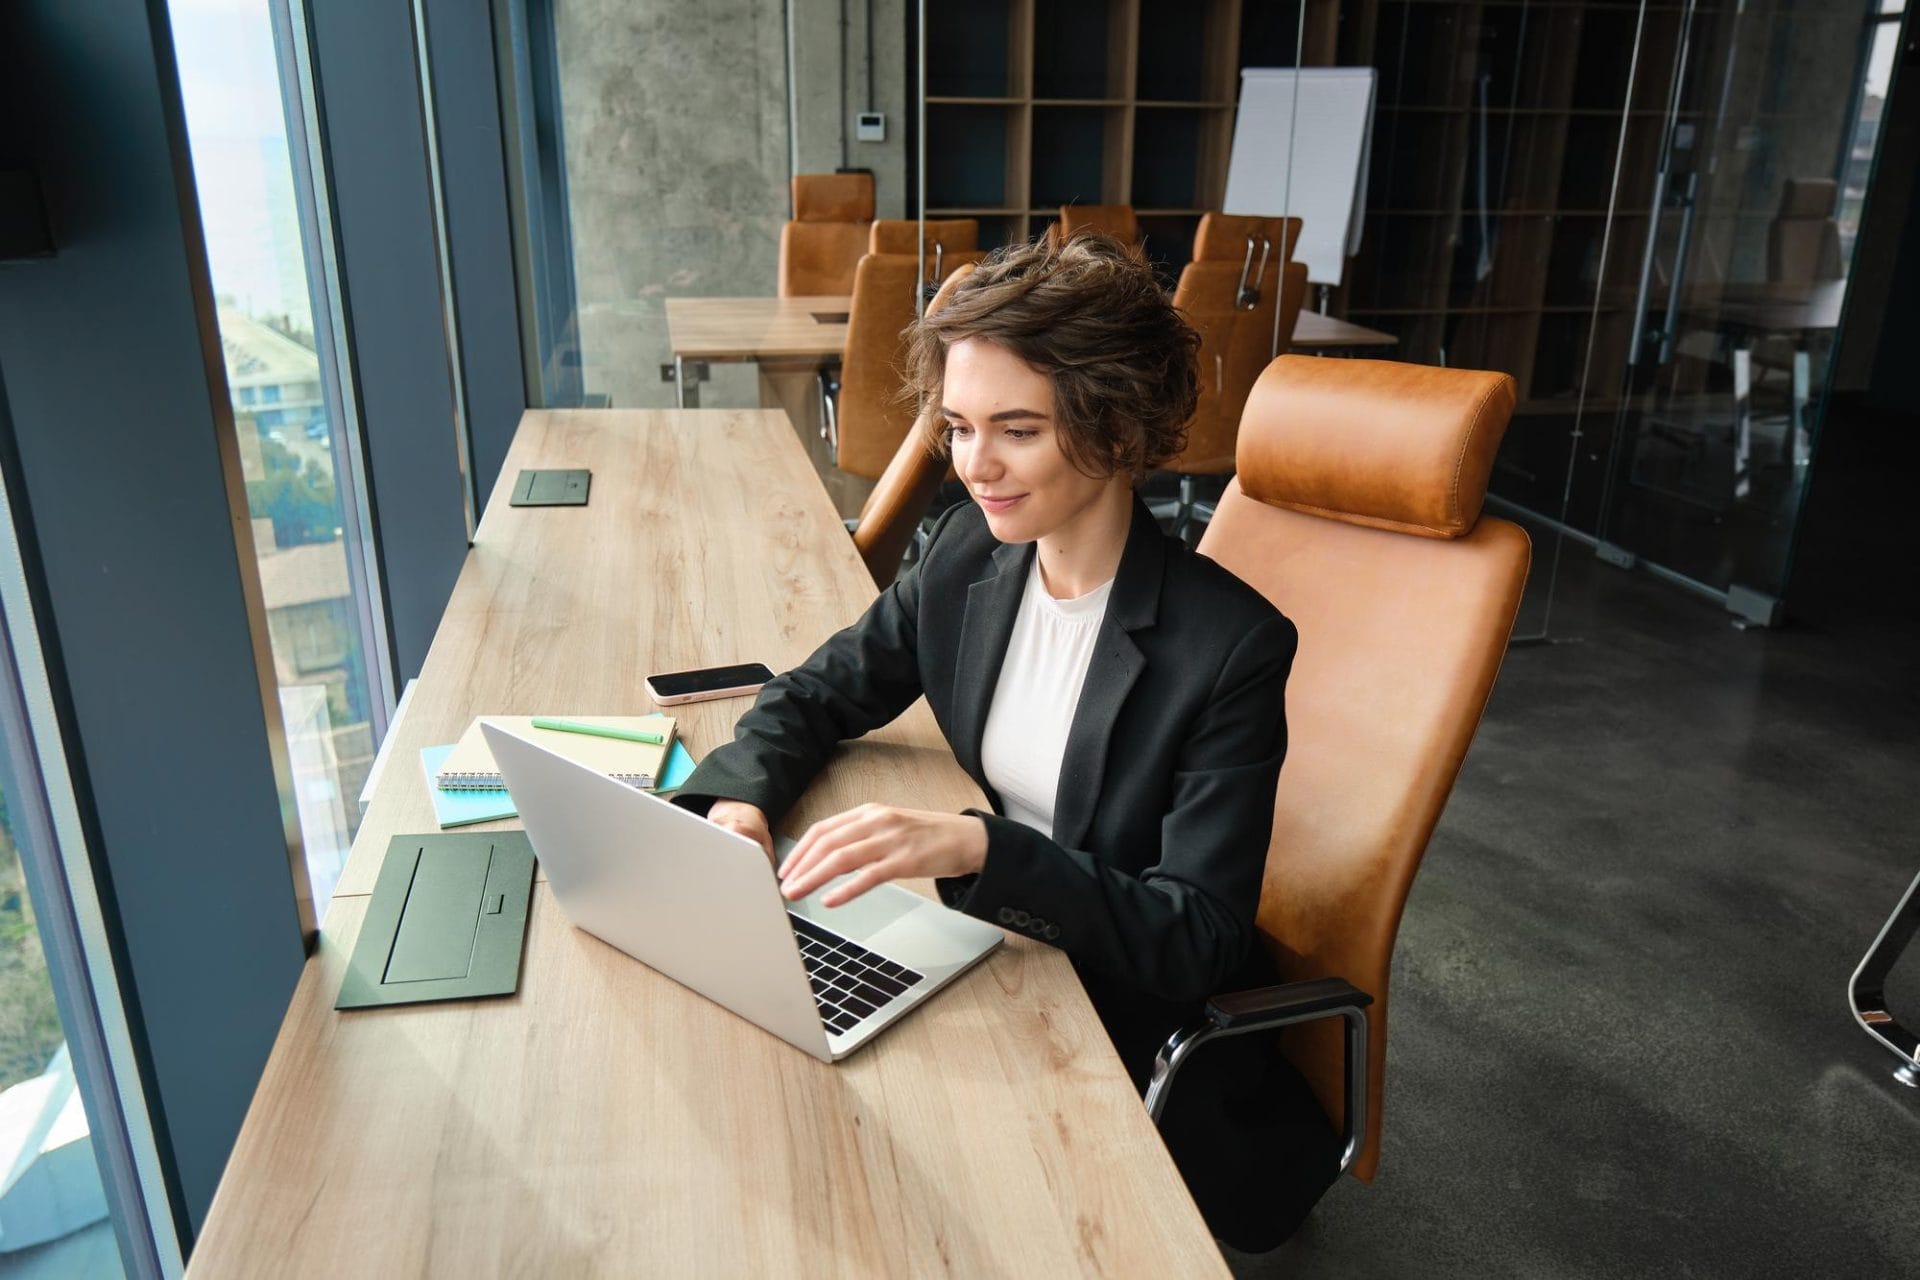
[902,235]
[872,417]
[822,244]
[1222,237]
[905,489]
[1116,220]
[1356,510]
[1236,344]
[1803,241]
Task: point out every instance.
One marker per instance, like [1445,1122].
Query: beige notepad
[470,766]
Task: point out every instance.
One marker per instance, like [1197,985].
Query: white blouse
[1033,704]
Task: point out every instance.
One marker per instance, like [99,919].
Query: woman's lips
[997,505]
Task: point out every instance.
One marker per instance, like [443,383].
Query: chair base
[1182,513]
[1867,992]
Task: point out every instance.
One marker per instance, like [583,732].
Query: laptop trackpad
[865,916]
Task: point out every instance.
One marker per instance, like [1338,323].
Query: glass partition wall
[1641,209]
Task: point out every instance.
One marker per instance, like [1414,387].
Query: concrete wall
[676,120]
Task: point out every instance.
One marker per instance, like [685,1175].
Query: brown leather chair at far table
[866,419]
[1116,220]
[1356,510]
[1233,293]
[823,243]
[947,240]
[890,521]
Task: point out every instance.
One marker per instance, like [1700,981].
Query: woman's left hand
[878,842]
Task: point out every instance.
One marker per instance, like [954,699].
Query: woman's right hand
[744,818]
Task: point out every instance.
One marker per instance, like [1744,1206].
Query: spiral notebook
[470,766]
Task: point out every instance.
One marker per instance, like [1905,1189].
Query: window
[268,293]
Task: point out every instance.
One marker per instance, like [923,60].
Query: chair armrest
[1269,1009]
[1287,1003]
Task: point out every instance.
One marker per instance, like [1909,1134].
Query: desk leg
[686,382]
[1743,420]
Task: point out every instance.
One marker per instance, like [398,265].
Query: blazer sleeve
[1179,929]
[861,678]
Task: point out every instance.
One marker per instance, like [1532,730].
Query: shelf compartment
[1076,155]
[980,52]
[1178,158]
[1183,60]
[1080,49]
[976,157]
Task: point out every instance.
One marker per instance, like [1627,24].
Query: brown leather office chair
[1222,237]
[868,419]
[890,519]
[944,235]
[823,243]
[1235,311]
[1356,510]
[1116,220]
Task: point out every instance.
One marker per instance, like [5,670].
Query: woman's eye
[1021,433]
[958,431]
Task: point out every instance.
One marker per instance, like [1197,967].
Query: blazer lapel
[1116,664]
[992,605]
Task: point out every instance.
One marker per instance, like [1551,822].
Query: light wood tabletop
[1314,332]
[756,328]
[604,1120]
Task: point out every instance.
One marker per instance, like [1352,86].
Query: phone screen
[674,684]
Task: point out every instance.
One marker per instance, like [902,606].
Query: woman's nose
[980,462]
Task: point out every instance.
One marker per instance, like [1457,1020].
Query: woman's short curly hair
[1092,317]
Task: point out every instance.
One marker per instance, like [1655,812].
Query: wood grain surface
[1315,332]
[748,328]
[707,540]
[604,1121]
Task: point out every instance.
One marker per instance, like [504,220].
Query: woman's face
[1006,449]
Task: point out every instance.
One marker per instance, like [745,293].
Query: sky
[236,130]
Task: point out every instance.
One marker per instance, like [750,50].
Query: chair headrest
[1396,446]
[1116,220]
[902,235]
[1807,198]
[1222,237]
[832,197]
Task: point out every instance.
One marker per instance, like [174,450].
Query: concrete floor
[1620,1040]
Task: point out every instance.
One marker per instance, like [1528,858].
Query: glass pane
[1744,241]
[1486,242]
[285,409]
[53,1207]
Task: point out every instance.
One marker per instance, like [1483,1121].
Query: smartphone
[672,687]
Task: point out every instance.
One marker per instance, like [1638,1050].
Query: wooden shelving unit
[1032,104]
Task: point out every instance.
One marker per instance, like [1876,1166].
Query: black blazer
[1166,790]
[1161,821]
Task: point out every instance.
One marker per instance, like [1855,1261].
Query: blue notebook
[461,808]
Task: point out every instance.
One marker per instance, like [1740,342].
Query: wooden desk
[605,1121]
[1315,334]
[750,329]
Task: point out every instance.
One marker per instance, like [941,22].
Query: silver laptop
[702,905]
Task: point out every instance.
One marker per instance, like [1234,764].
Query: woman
[1118,697]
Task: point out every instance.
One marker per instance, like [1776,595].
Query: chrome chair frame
[1867,990]
[1269,1009]
[1247,297]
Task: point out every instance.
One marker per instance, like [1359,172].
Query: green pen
[598,730]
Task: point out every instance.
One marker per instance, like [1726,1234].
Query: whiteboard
[1300,148]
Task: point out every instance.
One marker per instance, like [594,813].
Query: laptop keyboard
[849,981]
